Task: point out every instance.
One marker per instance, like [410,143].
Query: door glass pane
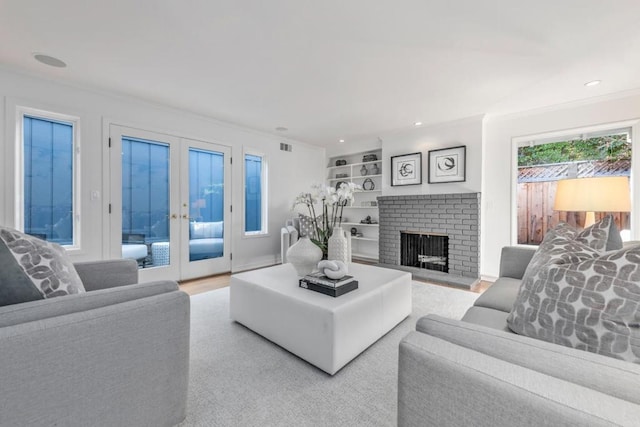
[206,204]
[48,179]
[145,202]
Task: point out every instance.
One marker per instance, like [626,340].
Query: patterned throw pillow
[602,236]
[33,269]
[581,298]
[306,225]
[558,247]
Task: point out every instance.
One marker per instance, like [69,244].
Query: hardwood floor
[205,284]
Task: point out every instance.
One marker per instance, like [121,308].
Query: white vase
[304,255]
[339,246]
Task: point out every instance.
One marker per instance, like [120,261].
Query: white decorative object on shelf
[338,248]
[304,255]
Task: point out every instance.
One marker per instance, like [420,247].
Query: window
[255,218]
[47,193]
[542,164]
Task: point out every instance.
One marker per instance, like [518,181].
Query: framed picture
[406,169]
[447,165]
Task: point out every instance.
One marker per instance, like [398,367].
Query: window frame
[264,232]
[556,136]
[74,121]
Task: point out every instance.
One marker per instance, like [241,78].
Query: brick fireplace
[456,216]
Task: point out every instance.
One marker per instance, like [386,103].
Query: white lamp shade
[598,194]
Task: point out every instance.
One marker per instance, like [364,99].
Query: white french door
[205,194]
[170,201]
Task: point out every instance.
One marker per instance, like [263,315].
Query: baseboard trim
[266,261]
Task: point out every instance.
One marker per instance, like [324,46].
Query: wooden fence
[536,214]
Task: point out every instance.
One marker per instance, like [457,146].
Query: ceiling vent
[285,147]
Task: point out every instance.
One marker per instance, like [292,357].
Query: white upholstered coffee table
[325,331]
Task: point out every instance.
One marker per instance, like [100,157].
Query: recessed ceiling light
[341,141]
[593,83]
[281,129]
[417,124]
[49,60]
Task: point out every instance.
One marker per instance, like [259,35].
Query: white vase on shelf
[304,255]
[339,246]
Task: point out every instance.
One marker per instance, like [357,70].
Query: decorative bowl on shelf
[341,162]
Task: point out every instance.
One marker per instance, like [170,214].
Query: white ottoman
[325,331]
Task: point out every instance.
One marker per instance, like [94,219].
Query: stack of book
[333,287]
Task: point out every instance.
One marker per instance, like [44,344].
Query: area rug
[238,378]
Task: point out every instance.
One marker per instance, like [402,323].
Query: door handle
[185,216]
[174,216]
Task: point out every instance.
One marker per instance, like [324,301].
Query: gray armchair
[113,356]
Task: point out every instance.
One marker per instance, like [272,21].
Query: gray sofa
[476,372]
[117,355]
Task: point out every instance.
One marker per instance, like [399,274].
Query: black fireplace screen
[430,251]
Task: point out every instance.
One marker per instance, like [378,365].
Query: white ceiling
[332,69]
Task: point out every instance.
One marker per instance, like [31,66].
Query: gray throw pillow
[602,236]
[33,269]
[306,225]
[582,299]
[558,247]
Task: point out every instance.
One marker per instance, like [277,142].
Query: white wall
[289,173]
[496,229]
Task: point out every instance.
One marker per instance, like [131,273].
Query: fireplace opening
[425,250]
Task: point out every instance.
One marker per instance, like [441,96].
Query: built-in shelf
[366,176]
[368,239]
[365,247]
[348,165]
[346,178]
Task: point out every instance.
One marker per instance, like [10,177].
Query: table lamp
[590,195]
